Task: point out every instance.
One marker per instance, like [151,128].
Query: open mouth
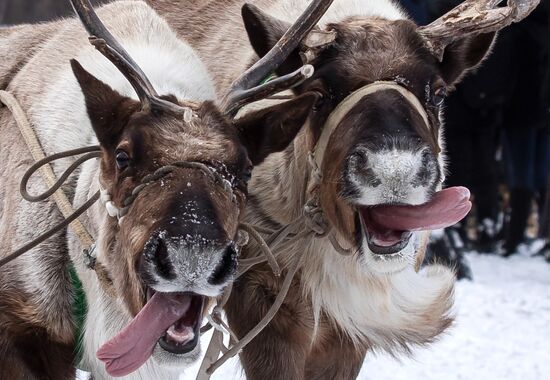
[388,228]
[381,240]
[182,336]
[171,320]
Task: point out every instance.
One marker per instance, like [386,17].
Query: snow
[502,330]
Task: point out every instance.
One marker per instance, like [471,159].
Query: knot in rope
[315,218]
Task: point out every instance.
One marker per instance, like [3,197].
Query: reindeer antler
[106,43]
[245,89]
[473,17]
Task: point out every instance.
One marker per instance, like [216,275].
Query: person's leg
[485,179]
[542,181]
[542,164]
[459,135]
[519,144]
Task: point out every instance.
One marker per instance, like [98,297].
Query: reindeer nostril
[358,159]
[361,169]
[156,252]
[427,171]
[226,267]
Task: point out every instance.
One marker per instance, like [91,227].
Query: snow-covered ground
[502,329]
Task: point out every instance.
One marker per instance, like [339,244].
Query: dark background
[26,11]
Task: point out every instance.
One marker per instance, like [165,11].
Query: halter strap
[208,170]
[346,105]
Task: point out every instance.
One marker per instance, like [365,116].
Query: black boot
[461,265]
[520,205]
[448,249]
[544,252]
[487,236]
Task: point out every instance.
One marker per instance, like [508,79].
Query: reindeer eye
[122,159]
[439,96]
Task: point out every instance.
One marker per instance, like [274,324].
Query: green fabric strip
[80,308]
[268,78]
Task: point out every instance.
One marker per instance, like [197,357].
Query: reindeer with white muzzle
[362,183]
[171,174]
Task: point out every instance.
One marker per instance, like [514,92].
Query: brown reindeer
[172,172]
[374,177]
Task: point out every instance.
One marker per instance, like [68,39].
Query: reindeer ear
[272,129]
[264,31]
[108,111]
[464,55]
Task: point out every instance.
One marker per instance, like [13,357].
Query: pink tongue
[127,351]
[447,207]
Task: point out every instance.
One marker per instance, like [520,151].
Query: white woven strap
[346,105]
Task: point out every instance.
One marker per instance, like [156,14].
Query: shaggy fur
[338,307]
[36,290]
[99,105]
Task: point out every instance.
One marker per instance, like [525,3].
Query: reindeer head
[173,176]
[380,151]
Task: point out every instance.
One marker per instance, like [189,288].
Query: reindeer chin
[389,263]
[167,359]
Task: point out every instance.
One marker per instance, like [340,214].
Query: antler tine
[242,89]
[267,89]
[473,17]
[106,43]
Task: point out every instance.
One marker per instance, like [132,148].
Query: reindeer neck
[278,188]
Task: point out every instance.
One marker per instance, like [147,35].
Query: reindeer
[172,177]
[366,171]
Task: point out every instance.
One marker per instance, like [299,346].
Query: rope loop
[70,215]
[89,153]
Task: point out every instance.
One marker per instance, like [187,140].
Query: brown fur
[36,294]
[23,320]
[22,358]
[366,49]
[284,350]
